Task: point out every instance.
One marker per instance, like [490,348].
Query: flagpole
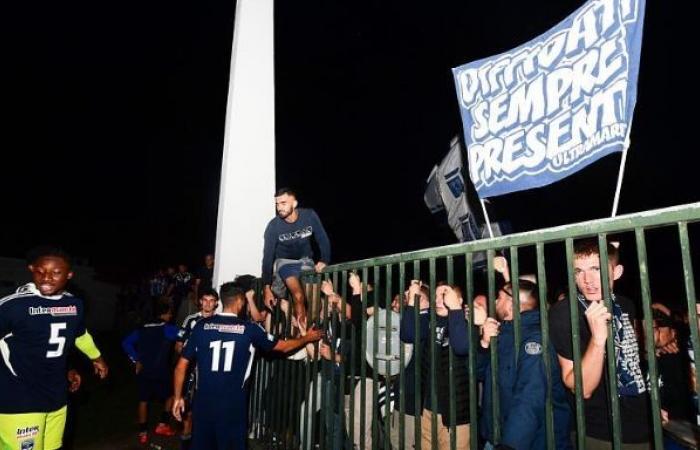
[620,175]
[486,216]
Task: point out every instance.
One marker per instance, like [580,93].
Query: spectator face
[50,274]
[182,268]
[504,305]
[663,335]
[209,304]
[587,273]
[395,303]
[285,205]
[209,260]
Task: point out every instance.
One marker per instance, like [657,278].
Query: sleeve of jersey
[86,344]
[261,340]
[172,333]
[189,351]
[4,318]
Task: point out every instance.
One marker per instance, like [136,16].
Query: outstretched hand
[101,368]
[314,334]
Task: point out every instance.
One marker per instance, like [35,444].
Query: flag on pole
[554,105]
[446,191]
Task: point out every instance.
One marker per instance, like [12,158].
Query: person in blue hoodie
[522,381]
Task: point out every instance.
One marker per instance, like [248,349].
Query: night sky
[115,120]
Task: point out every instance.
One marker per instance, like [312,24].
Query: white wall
[246,200]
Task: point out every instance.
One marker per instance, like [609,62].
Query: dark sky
[115,113]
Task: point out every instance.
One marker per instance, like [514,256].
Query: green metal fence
[308,403]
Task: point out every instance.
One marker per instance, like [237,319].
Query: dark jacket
[522,388]
[442,349]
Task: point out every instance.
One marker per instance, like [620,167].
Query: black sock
[143,427]
[165,417]
[185,443]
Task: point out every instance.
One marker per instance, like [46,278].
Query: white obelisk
[246,201]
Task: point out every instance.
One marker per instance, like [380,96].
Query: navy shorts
[151,389]
[220,432]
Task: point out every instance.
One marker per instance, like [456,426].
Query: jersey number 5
[228,347]
[57,340]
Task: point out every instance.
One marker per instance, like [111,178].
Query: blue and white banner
[556,104]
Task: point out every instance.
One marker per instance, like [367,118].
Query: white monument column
[246,200]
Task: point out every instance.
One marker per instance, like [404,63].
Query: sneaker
[143,438]
[164,429]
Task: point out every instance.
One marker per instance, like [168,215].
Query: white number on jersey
[229,347]
[57,340]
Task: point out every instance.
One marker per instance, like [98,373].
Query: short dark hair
[526,287]
[230,292]
[285,190]
[245,282]
[589,246]
[210,292]
[43,251]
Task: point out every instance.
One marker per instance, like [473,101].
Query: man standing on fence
[288,251]
[631,385]
[223,347]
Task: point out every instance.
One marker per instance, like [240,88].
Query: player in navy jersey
[223,347]
[150,348]
[208,301]
[39,326]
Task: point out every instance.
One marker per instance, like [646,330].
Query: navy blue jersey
[152,346]
[36,334]
[187,326]
[223,347]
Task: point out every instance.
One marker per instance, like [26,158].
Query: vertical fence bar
[285,402]
[388,353]
[315,369]
[544,322]
[433,357]
[277,381]
[575,338]
[322,320]
[353,370]
[363,359]
[493,347]
[375,362]
[515,286]
[402,360]
[449,261]
[473,395]
[649,332]
[611,366]
[343,345]
[418,352]
[691,299]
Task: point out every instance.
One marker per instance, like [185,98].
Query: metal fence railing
[349,399]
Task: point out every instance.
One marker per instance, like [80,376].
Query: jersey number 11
[228,347]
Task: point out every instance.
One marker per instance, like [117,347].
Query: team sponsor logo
[27,445]
[298,234]
[56,311]
[533,348]
[225,328]
[27,432]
